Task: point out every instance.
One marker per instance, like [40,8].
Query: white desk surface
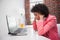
[31,35]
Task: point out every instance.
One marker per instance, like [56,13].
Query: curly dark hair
[41,9]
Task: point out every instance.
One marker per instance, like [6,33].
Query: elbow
[41,33]
[35,29]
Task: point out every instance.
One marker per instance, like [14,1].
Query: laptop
[13,29]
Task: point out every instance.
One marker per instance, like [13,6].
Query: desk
[34,35]
[31,35]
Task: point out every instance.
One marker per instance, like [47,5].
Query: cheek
[37,17]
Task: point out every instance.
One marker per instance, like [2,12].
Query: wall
[27,11]
[11,8]
[54,8]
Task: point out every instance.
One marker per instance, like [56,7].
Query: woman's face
[37,15]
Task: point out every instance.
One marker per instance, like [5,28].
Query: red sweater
[47,28]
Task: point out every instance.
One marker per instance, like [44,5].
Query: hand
[35,19]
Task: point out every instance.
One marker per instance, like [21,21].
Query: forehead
[36,13]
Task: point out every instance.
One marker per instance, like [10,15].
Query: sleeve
[42,29]
[34,25]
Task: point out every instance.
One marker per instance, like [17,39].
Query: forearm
[42,29]
[34,25]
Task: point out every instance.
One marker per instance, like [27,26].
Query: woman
[44,23]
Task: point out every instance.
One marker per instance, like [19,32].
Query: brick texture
[54,8]
[27,11]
